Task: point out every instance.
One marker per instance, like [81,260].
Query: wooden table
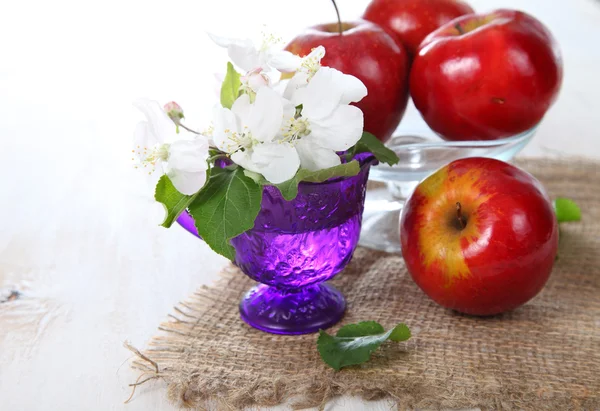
[83,263]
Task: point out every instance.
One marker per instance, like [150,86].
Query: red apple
[366,51]
[412,20]
[479,236]
[485,77]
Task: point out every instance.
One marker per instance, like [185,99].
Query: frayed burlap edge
[208,393]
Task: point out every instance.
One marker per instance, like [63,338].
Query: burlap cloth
[544,355]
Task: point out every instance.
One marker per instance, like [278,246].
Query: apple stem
[460,216]
[339,19]
[459,28]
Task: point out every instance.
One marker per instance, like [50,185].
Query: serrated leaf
[230,88]
[225,208]
[566,210]
[349,169]
[368,143]
[354,343]
[361,329]
[173,201]
[289,189]
[258,178]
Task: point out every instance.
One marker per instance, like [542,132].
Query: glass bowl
[420,155]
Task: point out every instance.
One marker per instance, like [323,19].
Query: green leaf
[212,152]
[225,208]
[173,201]
[368,143]
[230,88]
[349,169]
[361,329]
[566,210]
[289,189]
[256,177]
[400,333]
[354,343]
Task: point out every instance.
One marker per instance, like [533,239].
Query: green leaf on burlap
[368,143]
[225,208]
[354,343]
[566,210]
[173,201]
[230,88]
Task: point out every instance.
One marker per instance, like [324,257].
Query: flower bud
[174,111]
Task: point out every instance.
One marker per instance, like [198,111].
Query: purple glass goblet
[294,247]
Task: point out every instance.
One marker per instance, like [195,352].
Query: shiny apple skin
[412,20]
[367,52]
[495,81]
[503,256]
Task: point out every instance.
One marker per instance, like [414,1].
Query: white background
[78,228]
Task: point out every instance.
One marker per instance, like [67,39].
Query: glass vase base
[381,218]
[292,311]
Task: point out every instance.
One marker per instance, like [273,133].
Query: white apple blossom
[247,56]
[254,80]
[305,68]
[248,133]
[182,155]
[307,65]
[327,123]
[272,129]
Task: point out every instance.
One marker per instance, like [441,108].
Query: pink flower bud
[255,79]
[174,111]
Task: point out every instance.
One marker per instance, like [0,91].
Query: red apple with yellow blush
[366,51]
[479,236]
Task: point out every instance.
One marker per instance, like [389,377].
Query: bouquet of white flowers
[265,131]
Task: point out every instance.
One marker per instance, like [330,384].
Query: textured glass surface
[293,310]
[294,246]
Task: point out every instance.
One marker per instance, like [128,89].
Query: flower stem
[337,12]
[188,129]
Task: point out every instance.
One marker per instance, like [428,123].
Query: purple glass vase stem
[294,247]
[296,311]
